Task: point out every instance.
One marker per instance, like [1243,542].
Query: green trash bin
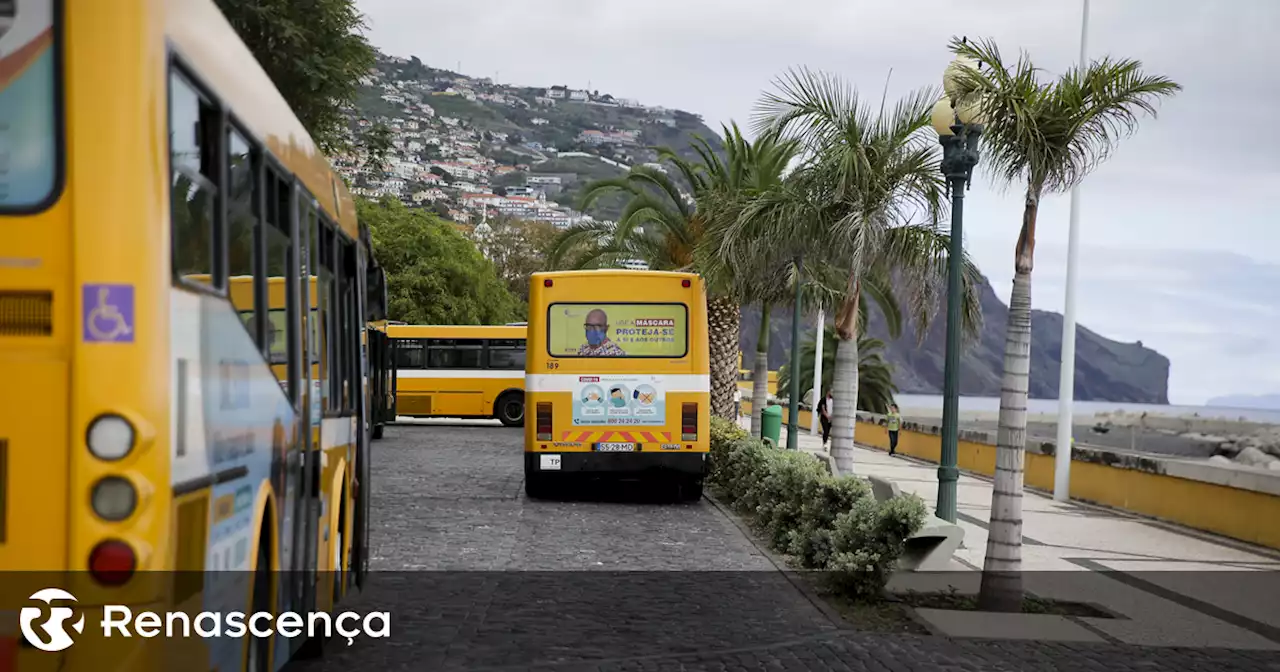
[771,425]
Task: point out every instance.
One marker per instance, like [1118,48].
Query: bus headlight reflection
[110,437]
[114,498]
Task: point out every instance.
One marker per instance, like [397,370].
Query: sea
[933,402]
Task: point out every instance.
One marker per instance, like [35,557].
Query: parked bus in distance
[459,371]
[618,386]
[184,437]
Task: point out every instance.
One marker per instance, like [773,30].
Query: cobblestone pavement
[477,577]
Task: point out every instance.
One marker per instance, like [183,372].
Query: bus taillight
[689,421]
[544,421]
[112,563]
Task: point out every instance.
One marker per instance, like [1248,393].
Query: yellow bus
[617,386]
[373,343]
[151,455]
[459,371]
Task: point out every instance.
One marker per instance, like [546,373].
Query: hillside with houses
[471,149]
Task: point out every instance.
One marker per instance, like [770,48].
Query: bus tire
[259,658]
[691,489]
[509,409]
[377,432]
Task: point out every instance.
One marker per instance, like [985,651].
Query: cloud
[1200,182]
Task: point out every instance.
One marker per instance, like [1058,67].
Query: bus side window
[282,292]
[506,355]
[193,158]
[410,353]
[451,353]
[243,237]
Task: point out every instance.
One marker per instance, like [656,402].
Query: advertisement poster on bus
[619,400]
[618,330]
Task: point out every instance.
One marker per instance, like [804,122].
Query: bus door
[381,376]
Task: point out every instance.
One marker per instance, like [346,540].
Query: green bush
[822,522]
[782,496]
[723,435]
[868,540]
[811,542]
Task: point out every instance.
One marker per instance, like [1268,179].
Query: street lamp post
[958,132]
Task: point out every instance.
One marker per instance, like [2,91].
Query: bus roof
[613,271]
[454,331]
[205,41]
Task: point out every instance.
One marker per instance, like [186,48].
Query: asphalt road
[477,577]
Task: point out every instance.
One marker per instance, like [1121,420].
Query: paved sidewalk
[1168,585]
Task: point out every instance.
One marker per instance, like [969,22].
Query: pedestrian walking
[893,422]
[737,402]
[824,416]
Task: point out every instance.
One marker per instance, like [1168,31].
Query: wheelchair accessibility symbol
[108,313]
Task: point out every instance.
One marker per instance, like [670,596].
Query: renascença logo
[121,620]
[53,627]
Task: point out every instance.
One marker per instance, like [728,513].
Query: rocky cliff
[1106,370]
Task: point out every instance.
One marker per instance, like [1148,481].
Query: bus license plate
[615,447]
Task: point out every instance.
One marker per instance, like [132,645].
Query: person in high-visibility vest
[892,422]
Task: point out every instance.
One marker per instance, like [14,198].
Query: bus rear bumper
[688,463]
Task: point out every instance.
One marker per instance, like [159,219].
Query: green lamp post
[959,129]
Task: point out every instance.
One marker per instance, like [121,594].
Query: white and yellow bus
[459,371]
[157,187]
[617,385]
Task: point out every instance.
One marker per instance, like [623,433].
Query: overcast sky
[1180,231]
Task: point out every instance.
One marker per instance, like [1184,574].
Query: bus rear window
[658,330]
[29,155]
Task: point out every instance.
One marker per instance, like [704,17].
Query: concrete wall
[1237,502]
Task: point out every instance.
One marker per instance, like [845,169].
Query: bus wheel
[260,647]
[510,409]
[377,432]
[691,489]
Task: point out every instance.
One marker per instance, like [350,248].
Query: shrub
[738,470]
[821,521]
[783,492]
[867,541]
[824,498]
[723,435]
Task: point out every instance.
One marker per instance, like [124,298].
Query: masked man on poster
[598,343]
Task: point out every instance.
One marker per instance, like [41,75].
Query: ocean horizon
[933,403]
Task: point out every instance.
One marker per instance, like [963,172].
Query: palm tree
[771,276]
[1046,136]
[875,375]
[666,228]
[868,201]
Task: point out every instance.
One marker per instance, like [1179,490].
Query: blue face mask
[595,336]
[619,401]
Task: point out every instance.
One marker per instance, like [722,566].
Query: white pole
[817,372]
[1067,375]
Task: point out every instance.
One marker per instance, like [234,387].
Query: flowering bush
[821,522]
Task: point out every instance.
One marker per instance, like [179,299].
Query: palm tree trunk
[760,373]
[1001,588]
[844,384]
[722,316]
